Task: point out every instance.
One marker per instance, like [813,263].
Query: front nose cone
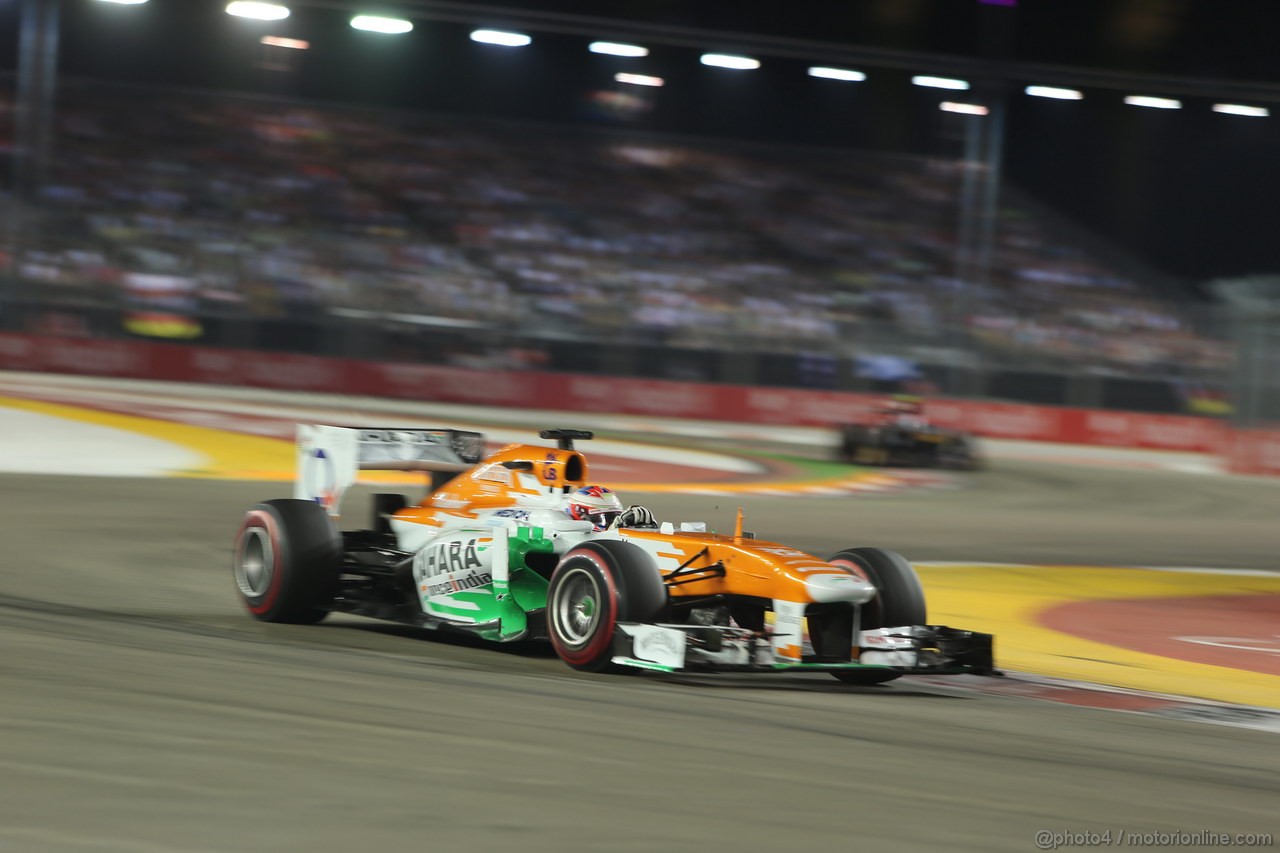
[839,587]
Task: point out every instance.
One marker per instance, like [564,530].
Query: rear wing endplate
[329,458]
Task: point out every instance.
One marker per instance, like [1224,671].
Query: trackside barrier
[1254,451]
[574,392]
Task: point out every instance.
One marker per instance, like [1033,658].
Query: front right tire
[899,600]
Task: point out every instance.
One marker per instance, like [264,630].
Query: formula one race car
[901,435]
[518,546]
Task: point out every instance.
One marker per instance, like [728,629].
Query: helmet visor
[602,518]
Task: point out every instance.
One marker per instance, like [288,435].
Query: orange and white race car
[520,546]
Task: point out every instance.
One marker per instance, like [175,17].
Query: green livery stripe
[485,610]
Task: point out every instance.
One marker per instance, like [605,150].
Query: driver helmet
[596,504]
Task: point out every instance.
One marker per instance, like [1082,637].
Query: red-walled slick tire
[286,561]
[596,586]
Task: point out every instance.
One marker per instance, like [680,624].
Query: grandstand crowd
[236,207]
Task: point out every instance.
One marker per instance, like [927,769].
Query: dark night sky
[1217,38]
[1190,191]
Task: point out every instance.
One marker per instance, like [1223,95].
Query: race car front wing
[919,649]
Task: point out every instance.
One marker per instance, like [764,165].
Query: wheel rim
[255,562]
[577,607]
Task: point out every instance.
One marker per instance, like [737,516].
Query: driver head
[596,504]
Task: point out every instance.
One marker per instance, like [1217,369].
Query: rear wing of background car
[329,458]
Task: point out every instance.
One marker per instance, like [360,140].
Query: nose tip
[839,587]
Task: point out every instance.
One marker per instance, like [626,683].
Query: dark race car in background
[900,435]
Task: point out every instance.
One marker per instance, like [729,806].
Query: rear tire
[851,438]
[899,600]
[962,453]
[286,561]
[596,586]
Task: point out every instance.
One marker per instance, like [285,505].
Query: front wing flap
[918,649]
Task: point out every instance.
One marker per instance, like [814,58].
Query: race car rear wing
[329,458]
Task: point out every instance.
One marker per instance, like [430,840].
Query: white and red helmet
[596,504]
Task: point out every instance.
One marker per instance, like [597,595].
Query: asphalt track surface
[142,711]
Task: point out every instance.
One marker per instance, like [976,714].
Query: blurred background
[1062,203]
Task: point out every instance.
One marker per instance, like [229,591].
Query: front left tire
[596,586]
[286,561]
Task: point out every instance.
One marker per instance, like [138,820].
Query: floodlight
[638,79]
[258,11]
[846,74]
[965,109]
[1154,103]
[614,48]
[281,41]
[501,37]
[939,82]
[729,60]
[1241,110]
[379,24]
[1055,92]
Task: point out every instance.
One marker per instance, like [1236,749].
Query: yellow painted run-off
[1007,601]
